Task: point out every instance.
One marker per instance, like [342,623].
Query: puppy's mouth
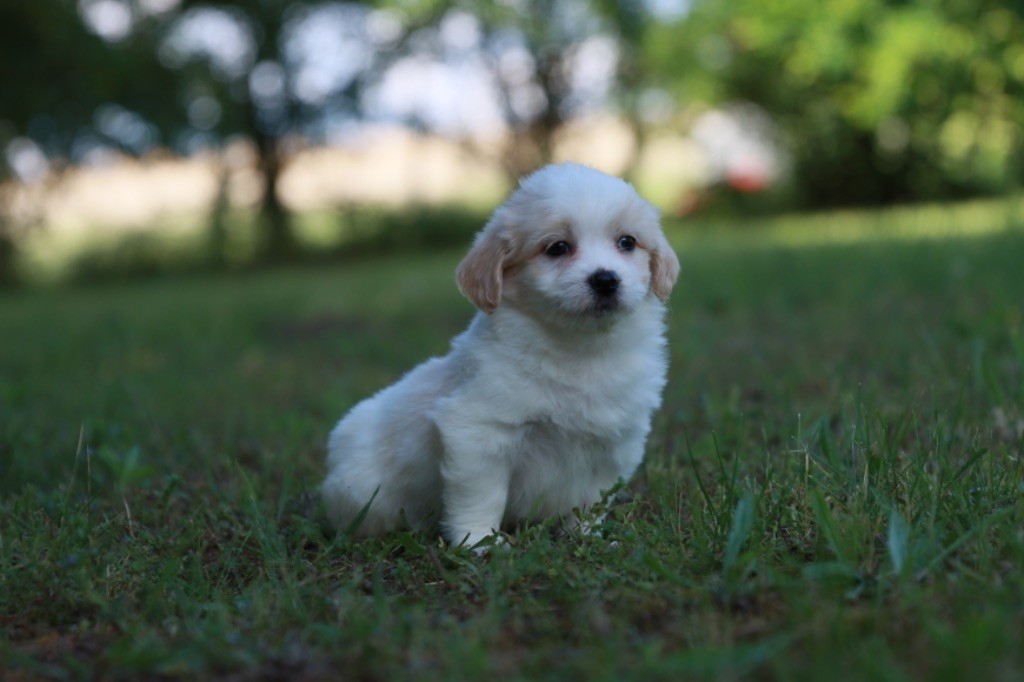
[593,308]
[604,305]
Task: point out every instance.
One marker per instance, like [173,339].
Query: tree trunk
[275,220]
[532,145]
[218,228]
[8,276]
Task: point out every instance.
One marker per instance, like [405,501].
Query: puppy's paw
[465,535]
[581,522]
[482,544]
[493,543]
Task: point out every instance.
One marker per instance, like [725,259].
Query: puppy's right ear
[480,273]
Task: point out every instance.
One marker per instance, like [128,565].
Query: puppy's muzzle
[604,283]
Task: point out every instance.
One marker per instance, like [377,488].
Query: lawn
[832,490]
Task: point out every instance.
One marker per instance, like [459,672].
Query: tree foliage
[65,88]
[535,56]
[877,101]
[58,75]
[255,91]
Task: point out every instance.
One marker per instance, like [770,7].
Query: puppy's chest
[586,399]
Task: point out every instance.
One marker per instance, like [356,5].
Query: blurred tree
[278,73]
[546,62]
[636,85]
[196,74]
[877,101]
[236,83]
[61,83]
[229,53]
[131,74]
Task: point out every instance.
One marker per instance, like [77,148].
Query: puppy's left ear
[664,268]
[480,273]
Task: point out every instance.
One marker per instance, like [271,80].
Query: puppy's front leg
[474,474]
[475,493]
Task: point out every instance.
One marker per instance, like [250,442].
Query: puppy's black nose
[604,282]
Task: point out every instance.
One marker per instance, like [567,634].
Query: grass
[833,489]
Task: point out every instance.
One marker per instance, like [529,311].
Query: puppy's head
[570,243]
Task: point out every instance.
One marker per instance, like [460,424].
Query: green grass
[833,489]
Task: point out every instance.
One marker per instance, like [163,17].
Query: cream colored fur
[546,400]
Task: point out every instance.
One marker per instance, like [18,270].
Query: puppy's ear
[664,268]
[480,273]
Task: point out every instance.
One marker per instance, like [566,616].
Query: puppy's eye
[627,242]
[558,249]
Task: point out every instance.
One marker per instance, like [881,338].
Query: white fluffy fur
[546,400]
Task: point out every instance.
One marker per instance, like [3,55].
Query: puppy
[546,400]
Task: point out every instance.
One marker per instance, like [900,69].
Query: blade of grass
[898,541]
[742,523]
[829,528]
[967,537]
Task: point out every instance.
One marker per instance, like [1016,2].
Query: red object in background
[747,180]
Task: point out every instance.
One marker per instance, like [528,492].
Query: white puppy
[546,400]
